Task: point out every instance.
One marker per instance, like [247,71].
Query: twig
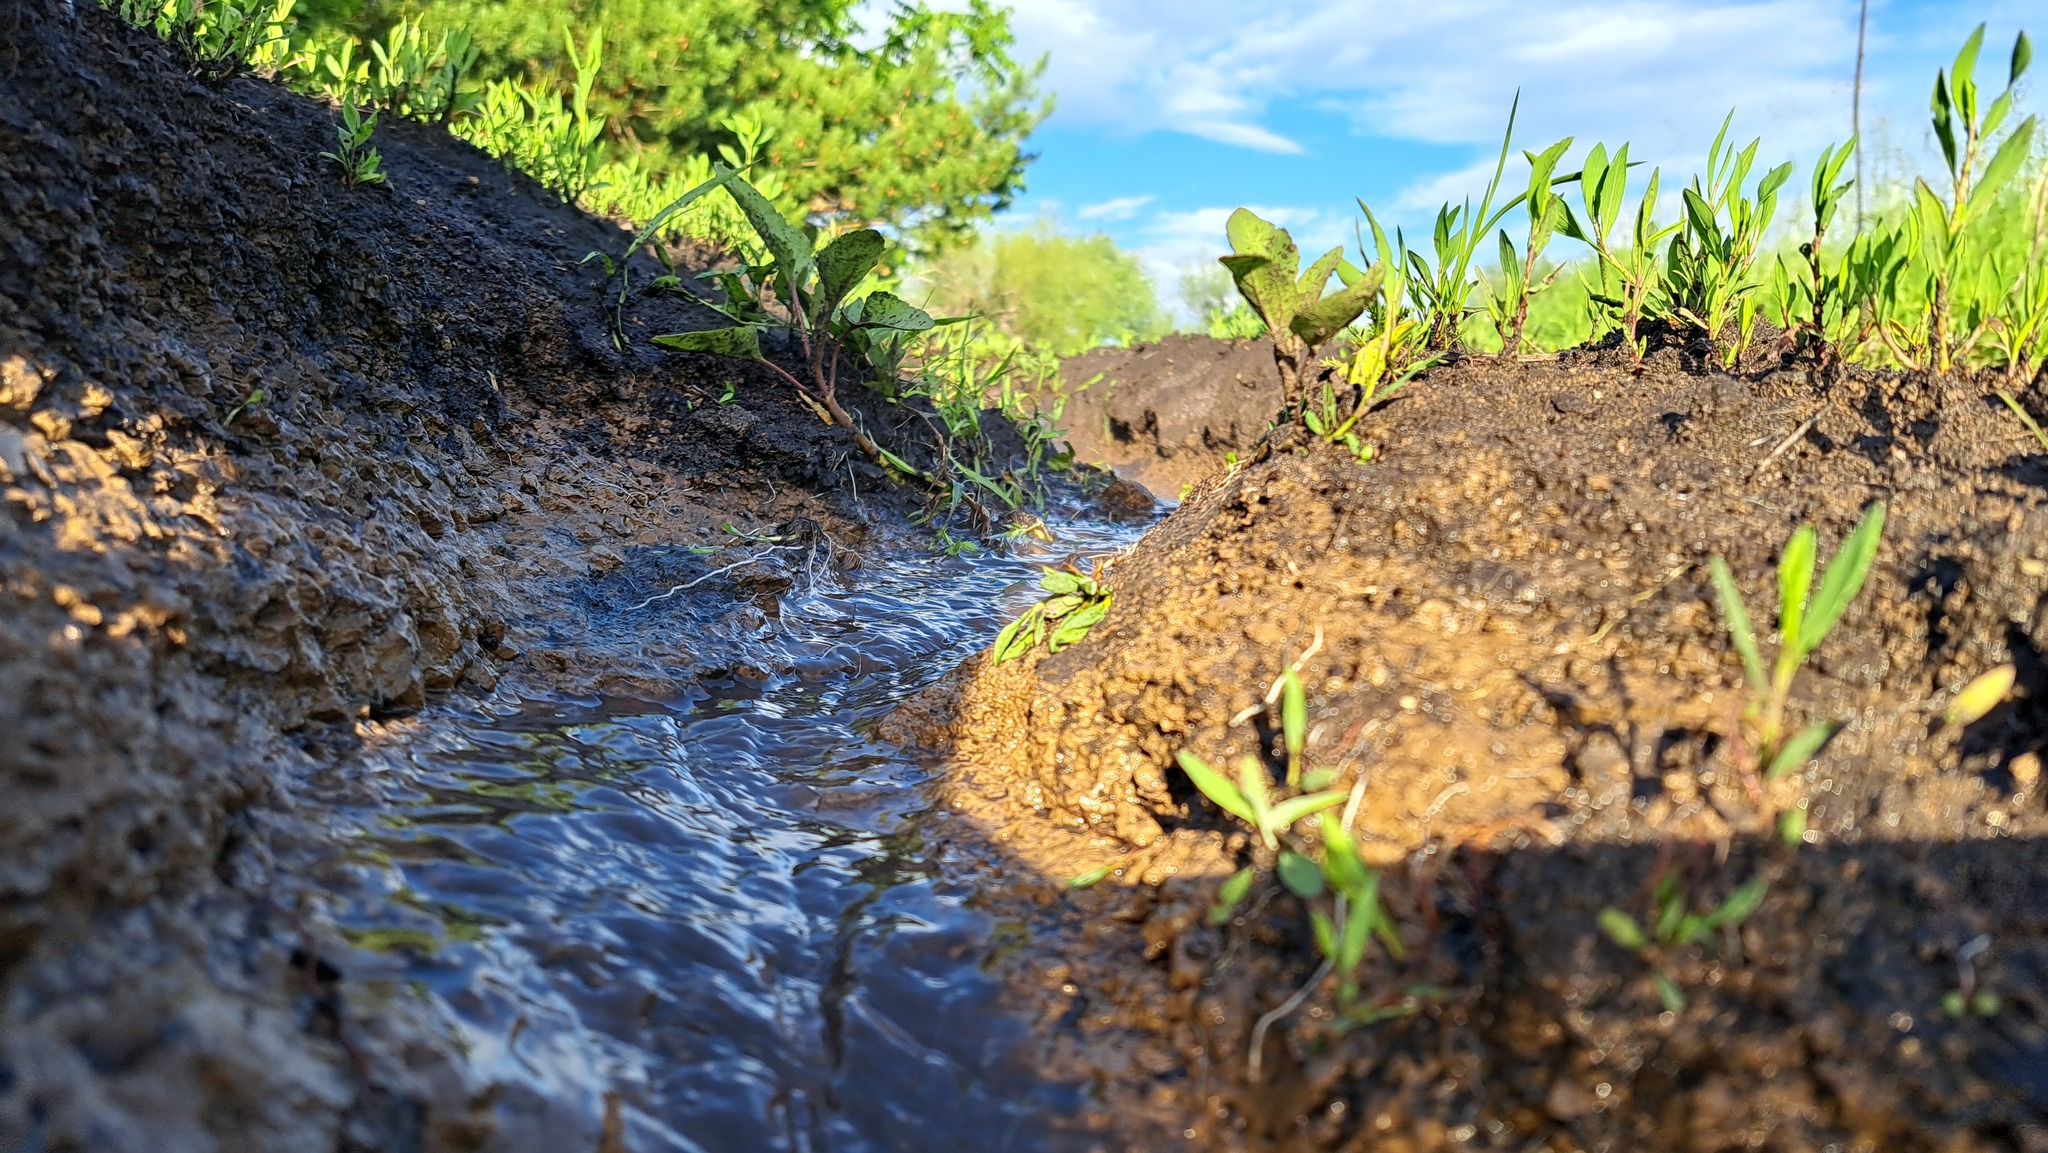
[1788,442]
[707,576]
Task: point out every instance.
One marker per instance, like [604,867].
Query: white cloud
[1121,208]
[1658,73]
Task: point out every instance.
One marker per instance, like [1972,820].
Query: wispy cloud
[1121,208]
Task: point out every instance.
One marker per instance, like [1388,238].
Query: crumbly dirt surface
[1505,628]
[1164,415]
[279,456]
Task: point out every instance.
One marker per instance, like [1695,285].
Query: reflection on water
[722,907]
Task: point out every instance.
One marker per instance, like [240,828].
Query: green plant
[1444,290]
[359,163]
[1547,213]
[1250,797]
[1628,276]
[1963,134]
[814,287]
[223,38]
[1074,603]
[1264,263]
[1384,357]
[531,127]
[1675,926]
[1707,277]
[1804,619]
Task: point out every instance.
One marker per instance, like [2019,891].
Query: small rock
[1568,402]
[2026,771]
[19,384]
[1126,500]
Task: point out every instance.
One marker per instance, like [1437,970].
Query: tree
[921,128]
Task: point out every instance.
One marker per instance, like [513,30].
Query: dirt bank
[1505,630]
[277,455]
[1164,415]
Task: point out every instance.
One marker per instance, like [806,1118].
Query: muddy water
[726,909]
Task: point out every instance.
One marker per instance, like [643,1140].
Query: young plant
[1707,268]
[1963,133]
[359,163]
[1250,797]
[1547,214]
[1629,275]
[1265,265]
[813,286]
[1444,290]
[1075,602]
[1804,619]
[1676,926]
[1386,356]
[530,127]
[223,38]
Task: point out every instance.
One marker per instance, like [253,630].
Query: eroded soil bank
[280,460]
[1505,630]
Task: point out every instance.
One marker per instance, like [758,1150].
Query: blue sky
[1172,113]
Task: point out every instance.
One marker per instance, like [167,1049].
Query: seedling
[359,163]
[1382,360]
[1075,602]
[1445,290]
[1627,276]
[1707,267]
[1963,134]
[813,286]
[1676,927]
[1250,797]
[1547,214]
[1804,620]
[1265,264]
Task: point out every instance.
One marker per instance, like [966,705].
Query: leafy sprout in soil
[1805,616]
[1675,926]
[1265,265]
[1620,297]
[1075,602]
[359,163]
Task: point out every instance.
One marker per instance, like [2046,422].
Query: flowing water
[725,908]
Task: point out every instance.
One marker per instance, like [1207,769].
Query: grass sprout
[359,163]
[1805,616]
[1675,926]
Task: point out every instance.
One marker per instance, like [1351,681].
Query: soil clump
[1165,415]
[1505,629]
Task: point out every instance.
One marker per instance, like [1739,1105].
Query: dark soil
[1505,628]
[1164,415]
[278,455]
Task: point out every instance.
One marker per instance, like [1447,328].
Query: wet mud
[1169,414]
[1506,633]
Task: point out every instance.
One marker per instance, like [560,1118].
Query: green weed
[1621,295]
[1707,276]
[1265,264]
[1075,602]
[359,163]
[1804,619]
[1519,273]
[1675,926]
[223,38]
[1444,289]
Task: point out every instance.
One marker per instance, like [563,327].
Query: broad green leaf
[887,310]
[1800,748]
[1795,584]
[2022,55]
[1317,321]
[1623,930]
[1316,277]
[842,265]
[1736,617]
[1060,582]
[1303,877]
[784,241]
[1215,786]
[1843,579]
[1981,695]
[740,343]
[1077,624]
[2005,163]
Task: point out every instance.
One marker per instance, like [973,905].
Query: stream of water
[722,908]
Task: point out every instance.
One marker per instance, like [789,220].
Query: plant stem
[1856,110]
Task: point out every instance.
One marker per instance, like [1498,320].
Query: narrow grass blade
[1737,619]
[1215,786]
[1801,748]
[1843,579]
[1795,583]
[1981,695]
[1623,930]
[1293,809]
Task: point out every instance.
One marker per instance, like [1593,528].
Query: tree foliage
[1057,292]
[919,125]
